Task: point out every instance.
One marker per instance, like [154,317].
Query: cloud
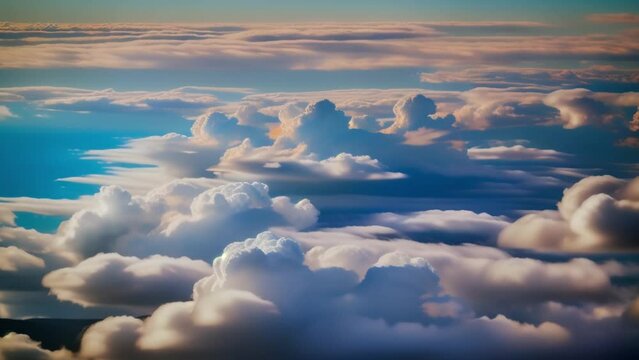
[537,77]
[411,113]
[16,260]
[490,281]
[5,113]
[488,107]
[261,292]
[614,18]
[116,280]
[245,162]
[462,225]
[579,107]
[25,256]
[515,153]
[19,346]
[598,213]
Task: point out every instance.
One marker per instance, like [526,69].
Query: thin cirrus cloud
[614,18]
[549,77]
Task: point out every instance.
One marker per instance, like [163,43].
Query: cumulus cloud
[489,280]
[188,100]
[14,259]
[614,18]
[278,161]
[262,292]
[7,217]
[441,225]
[537,77]
[19,346]
[181,218]
[116,280]
[25,256]
[572,108]
[598,213]
[410,113]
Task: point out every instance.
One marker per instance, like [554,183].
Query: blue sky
[430,171]
[287,10]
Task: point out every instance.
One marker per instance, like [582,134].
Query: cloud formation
[598,213]
[116,280]
[180,218]
[261,290]
[327,46]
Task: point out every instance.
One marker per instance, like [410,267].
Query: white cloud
[127,281]
[262,293]
[162,222]
[467,225]
[15,260]
[514,153]
[598,213]
[277,161]
[19,346]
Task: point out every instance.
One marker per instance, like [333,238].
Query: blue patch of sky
[286,10]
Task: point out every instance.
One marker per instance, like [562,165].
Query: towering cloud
[262,301]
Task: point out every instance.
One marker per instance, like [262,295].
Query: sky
[336,179]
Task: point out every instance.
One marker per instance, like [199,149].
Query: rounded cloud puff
[19,346]
[598,213]
[263,301]
[116,280]
[187,219]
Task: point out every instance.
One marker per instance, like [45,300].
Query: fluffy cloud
[181,218]
[442,225]
[16,260]
[598,213]
[491,281]
[490,107]
[116,280]
[7,217]
[579,107]
[410,113]
[25,256]
[19,346]
[261,290]
[277,161]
